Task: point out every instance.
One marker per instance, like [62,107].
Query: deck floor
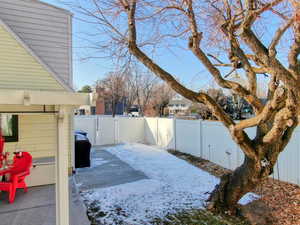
[37,207]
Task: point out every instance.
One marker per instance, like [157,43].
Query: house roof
[53,6]
[34,55]
[179,101]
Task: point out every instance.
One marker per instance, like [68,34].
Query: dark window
[9,127]
[81,112]
[133,110]
[93,110]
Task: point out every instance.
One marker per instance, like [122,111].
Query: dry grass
[199,217]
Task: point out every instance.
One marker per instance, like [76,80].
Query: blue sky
[88,71]
[184,65]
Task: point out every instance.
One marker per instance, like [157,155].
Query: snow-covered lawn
[173,186]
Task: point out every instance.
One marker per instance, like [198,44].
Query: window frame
[15,128]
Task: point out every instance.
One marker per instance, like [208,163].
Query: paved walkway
[106,170]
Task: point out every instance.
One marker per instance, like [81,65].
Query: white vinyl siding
[37,135]
[45,29]
[19,69]
[38,132]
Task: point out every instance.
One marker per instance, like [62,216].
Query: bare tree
[145,83]
[113,89]
[203,110]
[145,90]
[230,32]
[161,98]
[131,91]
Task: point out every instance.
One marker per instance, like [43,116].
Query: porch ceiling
[28,97]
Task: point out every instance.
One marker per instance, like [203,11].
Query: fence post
[157,131]
[175,133]
[144,132]
[96,131]
[115,122]
[201,138]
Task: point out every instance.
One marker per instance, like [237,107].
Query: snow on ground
[173,185]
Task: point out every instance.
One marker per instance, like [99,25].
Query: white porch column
[62,161]
[72,139]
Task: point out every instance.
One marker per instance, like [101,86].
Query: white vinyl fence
[206,139]
[106,130]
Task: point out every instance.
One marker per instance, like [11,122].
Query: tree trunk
[142,110]
[161,109]
[113,108]
[235,185]
[250,174]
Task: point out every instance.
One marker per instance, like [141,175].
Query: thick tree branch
[265,115]
[246,65]
[295,48]
[279,33]
[240,137]
[268,6]
[253,13]
[273,84]
[261,51]
[274,66]
[257,70]
[164,75]
[194,45]
[284,118]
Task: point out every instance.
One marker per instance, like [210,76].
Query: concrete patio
[106,170]
[37,207]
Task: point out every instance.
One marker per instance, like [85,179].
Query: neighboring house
[104,104]
[86,110]
[120,107]
[100,101]
[36,91]
[179,106]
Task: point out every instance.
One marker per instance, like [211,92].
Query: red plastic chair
[17,173]
[2,156]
